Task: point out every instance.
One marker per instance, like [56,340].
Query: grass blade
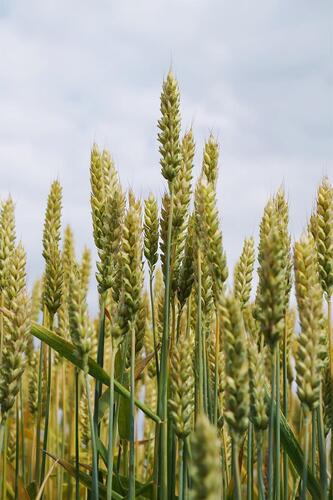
[67,350]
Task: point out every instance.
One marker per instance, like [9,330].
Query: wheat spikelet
[79,324]
[251,325]
[207,295]
[210,161]
[11,446]
[206,469]
[97,197]
[210,236]
[169,125]
[68,255]
[257,379]
[33,385]
[16,331]
[110,175]
[290,324]
[107,205]
[186,275]
[84,423]
[310,345]
[52,221]
[7,239]
[181,402]
[182,183]
[237,387]
[243,273]
[114,228]
[140,327]
[220,369]
[151,232]
[131,262]
[85,270]
[53,277]
[271,292]
[68,263]
[282,211]
[164,220]
[324,235]
[181,201]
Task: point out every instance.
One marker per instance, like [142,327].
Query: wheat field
[191,383]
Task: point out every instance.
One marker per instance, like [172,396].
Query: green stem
[271,430]
[182,479]
[313,442]
[49,319]
[2,434]
[261,485]
[216,368]
[47,414]
[63,429]
[199,341]
[100,359]
[17,451]
[205,380]
[236,473]
[172,442]
[164,379]
[95,494]
[39,412]
[111,415]
[152,306]
[185,472]
[4,463]
[306,456]
[285,411]
[22,434]
[77,440]
[322,452]
[117,397]
[225,467]
[330,343]
[277,423]
[249,463]
[131,491]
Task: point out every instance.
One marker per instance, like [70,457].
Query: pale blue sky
[257,74]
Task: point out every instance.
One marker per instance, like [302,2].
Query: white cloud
[257,74]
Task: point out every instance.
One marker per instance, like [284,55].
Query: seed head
[181,400]
[209,235]
[210,161]
[206,469]
[271,293]
[53,277]
[310,341]
[169,125]
[237,385]
[151,232]
[79,323]
[243,273]
[16,331]
[85,270]
[324,235]
[7,239]
[257,378]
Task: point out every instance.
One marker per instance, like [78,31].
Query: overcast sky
[257,74]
